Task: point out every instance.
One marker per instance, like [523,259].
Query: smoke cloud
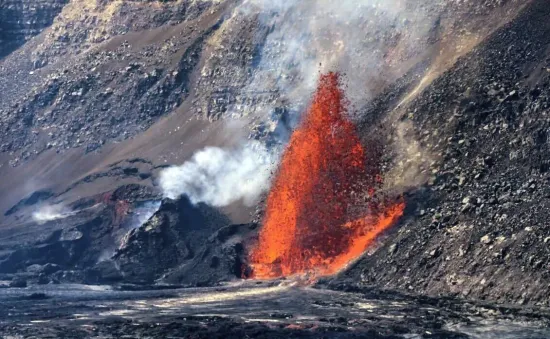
[368,41]
[143,213]
[51,212]
[220,177]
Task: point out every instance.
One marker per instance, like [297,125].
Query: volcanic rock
[104,272]
[18,283]
[77,241]
[34,198]
[183,243]
[20,20]
[499,146]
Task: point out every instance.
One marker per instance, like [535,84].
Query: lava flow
[311,223]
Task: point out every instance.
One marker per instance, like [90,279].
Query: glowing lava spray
[309,226]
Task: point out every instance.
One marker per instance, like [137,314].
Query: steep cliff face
[21,20]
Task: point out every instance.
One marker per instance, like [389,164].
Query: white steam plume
[143,213]
[51,212]
[220,177]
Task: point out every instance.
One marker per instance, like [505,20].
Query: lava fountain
[311,223]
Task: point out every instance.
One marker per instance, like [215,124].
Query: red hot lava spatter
[308,226]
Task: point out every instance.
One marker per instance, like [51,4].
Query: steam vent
[274,169]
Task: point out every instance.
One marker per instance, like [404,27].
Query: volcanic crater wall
[21,20]
[143,61]
[480,227]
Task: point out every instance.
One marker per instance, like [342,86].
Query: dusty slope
[480,227]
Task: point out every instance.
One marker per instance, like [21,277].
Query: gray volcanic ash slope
[479,228]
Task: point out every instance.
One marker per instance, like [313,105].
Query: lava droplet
[311,223]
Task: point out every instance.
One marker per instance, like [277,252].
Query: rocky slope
[184,244]
[479,228]
[113,90]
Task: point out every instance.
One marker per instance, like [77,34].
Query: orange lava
[311,223]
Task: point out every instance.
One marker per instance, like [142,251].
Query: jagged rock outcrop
[73,244]
[184,244]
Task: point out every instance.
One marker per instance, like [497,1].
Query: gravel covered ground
[253,309]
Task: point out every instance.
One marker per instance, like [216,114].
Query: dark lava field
[183,169]
[274,310]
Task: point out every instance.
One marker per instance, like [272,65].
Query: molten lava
[311,223]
